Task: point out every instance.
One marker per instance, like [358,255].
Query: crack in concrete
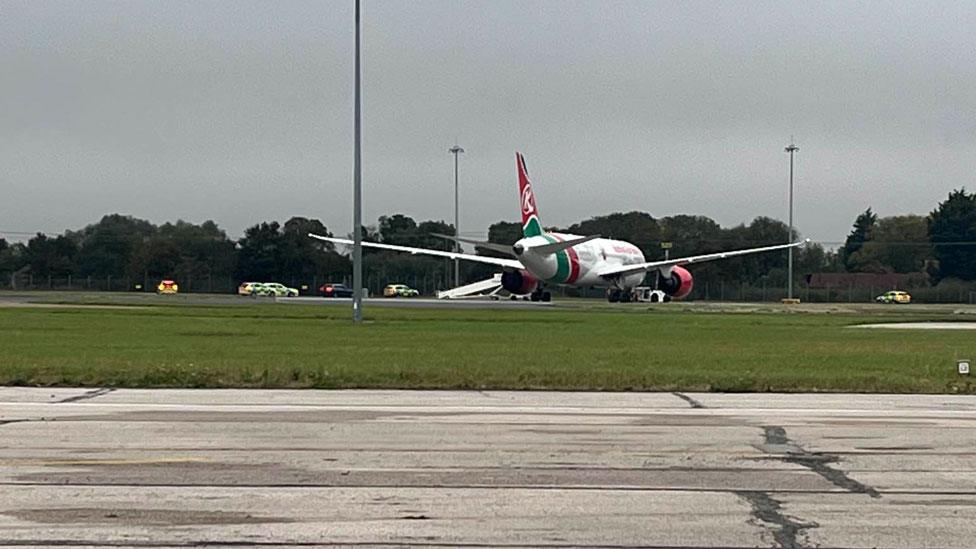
[778,443]
[694,403]
[88,395]
[769,511]
[818,464]
[9,421]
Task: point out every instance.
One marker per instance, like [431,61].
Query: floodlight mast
[789,292]
[457,224]
[357,196]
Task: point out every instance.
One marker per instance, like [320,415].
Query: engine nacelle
[519,282]
[678,285]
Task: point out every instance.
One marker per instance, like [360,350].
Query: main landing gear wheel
[539,295]
[621,296]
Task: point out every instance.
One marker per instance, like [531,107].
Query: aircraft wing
[510,263]
[624,270]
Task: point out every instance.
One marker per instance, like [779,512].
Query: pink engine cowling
[679,284]
[519,282]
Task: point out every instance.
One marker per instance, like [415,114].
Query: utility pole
[457,224]
[789,292]
[357,197]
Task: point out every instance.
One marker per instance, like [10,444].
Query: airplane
[542,257]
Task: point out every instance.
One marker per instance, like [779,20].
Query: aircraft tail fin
[531,226]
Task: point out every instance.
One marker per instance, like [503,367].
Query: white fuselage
[580,265]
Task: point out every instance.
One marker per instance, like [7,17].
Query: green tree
[158,257]
[691,234]
[812,258]
[106,248]
[860,234]
[307,258]
[258,252]
[298,229]
[270,252]
[762,231]
[51,256]
[638,228]
[398,229]
[425,235]
[952,230]
[13,257]
[898,244]
[505,232]
[185,251]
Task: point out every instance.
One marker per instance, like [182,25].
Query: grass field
[601,348]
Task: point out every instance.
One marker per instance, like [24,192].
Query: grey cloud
[241,111]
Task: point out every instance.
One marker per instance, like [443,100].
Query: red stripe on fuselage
[574,265]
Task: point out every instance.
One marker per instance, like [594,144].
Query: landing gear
[622,296]
[540,295]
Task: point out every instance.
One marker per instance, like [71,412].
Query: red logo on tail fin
[528,202]
[526,197]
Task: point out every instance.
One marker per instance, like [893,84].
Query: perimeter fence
[426,284]
[955,292]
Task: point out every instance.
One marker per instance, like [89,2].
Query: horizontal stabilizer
[493,246]
[548,249]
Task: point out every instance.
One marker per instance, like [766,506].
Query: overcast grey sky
[241,111]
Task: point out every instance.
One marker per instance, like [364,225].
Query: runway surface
[420,302]
[408,468]
[60,299]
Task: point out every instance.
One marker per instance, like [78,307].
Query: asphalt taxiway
[98,467]
[421,302]
[60,299]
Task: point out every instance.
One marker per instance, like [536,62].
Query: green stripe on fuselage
[562,262]
[532,228]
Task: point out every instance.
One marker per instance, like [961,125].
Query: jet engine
[678,284]
[519,282]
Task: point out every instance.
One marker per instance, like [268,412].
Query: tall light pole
[357,197]
[457,224]
[791,149]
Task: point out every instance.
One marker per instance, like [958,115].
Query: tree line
[941,245]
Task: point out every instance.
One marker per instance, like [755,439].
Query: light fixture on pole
[357,196]
[457,224]
[791,149]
